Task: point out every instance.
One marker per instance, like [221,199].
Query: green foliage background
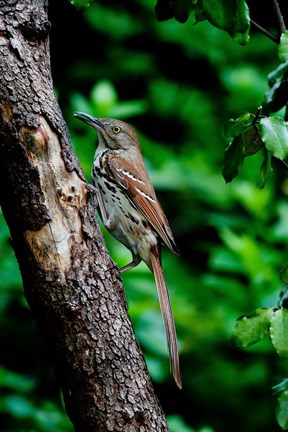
[177,84]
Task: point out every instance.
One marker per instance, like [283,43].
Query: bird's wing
[138,188]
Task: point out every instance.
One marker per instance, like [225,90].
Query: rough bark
[73,288]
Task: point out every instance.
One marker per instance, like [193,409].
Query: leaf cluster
[229,15]
[251,133]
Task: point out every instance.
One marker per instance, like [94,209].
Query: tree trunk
[72,286]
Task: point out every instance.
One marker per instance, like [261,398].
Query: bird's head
[112,134]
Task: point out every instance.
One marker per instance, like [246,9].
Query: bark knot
[37,29]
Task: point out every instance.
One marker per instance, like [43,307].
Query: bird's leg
[136,260]
[100,205]
[93,191]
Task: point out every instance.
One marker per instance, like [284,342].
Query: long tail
[167,314]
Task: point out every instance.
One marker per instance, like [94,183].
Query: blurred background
[177,84]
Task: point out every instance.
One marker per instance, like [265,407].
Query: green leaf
[18,406]
[282,410]
[81,4]
[276,96]
[253,328]
[199,12]
[278,74]
[177,424]
[104,96]
[274,134]
[283,47]
[15,381]
[266,167]
[80,103]
[279,332]
[181,9]
[233,158]
[128,109]
[220,13]
[281,387]
[252,141]
[241,30]
[229,15]
[234,127]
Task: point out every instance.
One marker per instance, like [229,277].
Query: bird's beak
[87,118]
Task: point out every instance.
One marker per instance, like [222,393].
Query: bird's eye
[116,129]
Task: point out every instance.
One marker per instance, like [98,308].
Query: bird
[131,212]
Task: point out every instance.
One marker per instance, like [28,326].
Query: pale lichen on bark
[52,244]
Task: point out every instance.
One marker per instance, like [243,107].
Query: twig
[286,166]
[257,116]
[266,32]
[280,19]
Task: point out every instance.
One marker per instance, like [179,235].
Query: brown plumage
[131,212]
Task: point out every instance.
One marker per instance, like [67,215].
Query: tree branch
[280,20]
[74,290]
[265,32]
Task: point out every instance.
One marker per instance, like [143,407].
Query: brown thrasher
[131,212]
